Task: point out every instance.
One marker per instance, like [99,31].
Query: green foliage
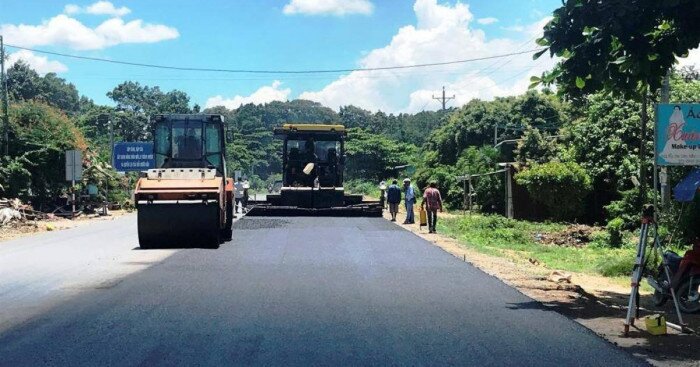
[516,240]
[560,187]
[24,84]
[488,190]
[615,228]
[133,97]
[473,124]
[367,188]
[15,178]
[42,135]
[403,127]
[626,208]
[535,148]
[621,46]
[615,266]
[605,141]
[373,157]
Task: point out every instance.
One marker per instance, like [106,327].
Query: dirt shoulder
[596,302]
[17,229]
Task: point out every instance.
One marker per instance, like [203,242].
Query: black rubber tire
[214,241]
[227,232]
[686,305]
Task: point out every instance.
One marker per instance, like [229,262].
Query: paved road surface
[294,291]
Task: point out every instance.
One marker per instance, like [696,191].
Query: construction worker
[246,188]
[393,197]
[432,201]
[409,199]
[238,194]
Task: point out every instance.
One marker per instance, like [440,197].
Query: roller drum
[177,225]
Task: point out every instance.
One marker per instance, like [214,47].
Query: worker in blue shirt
[410,199]
[393,197]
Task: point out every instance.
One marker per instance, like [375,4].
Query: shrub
[615,228]
[560,187]
[15,179]
[616,265]
[42,135]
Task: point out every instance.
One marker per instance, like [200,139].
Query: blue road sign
[135,156]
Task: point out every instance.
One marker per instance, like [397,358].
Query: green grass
[496,235]
[366,188]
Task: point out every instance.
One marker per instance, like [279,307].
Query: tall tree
[24,84]
[619,46]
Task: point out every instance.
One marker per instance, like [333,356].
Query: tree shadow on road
[605,314]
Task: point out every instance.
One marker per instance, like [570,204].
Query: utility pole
[444,99]
[509,191]
[111,161]
[663,174]
[5,103]
[495,135]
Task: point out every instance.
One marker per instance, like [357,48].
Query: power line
[260,71]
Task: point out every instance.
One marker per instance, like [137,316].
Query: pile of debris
[13,210]
[576,235]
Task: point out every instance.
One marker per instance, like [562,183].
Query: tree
[622,47]
[619,46]
[474,123]
[24,84]
[535,147]
[56,92]
[605,141]
[133,97]
[372,157]
[42,135]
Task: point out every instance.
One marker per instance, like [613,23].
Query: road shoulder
[596,302]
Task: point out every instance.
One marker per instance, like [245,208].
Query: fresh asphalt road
[285,291]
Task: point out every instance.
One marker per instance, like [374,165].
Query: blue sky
[285,34]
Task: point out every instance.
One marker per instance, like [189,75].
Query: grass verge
[516,239]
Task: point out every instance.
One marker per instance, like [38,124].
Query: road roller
[187,199]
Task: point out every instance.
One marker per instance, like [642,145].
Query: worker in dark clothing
[393,197]
[432,201]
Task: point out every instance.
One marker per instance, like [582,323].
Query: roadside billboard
[133,156]
[678,134]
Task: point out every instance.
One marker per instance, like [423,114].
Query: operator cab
[190,141]
[319,145]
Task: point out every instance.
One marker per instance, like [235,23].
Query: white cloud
[514,28]
[693,59]
[487,20]
[328,7]
[98,8]
[71,9]
[40,64]
[442,33]
[66,31]
[264,94]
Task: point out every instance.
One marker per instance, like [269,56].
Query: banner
[677,135]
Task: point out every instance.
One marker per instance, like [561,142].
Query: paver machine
[313,160]
[186,200]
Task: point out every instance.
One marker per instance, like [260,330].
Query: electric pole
[444,99]
[6,116]
[663,174]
